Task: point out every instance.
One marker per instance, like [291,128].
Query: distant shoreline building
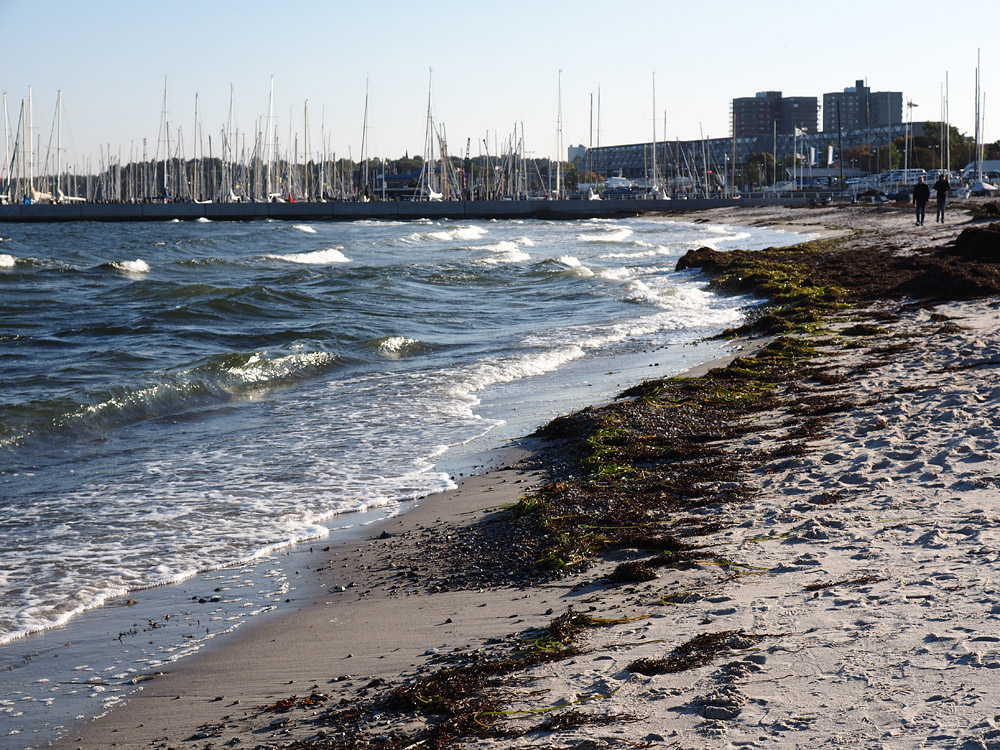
[860,108]
[681,159]
[769,113]
[767,123]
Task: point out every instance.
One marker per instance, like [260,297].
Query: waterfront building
[769,112]
[710,162]
[860,108]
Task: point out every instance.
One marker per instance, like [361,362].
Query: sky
[622,65]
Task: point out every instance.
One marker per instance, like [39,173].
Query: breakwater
[355,211]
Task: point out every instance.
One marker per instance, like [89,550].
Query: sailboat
[980,187]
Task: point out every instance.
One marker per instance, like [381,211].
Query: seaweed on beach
[572,719]
[455,702]
[859,581]
[697,652]
[635,468]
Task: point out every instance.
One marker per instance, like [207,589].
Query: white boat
[983,188]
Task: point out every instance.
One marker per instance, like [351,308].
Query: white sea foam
[230,378]
[507,369]
[257,369]
[609,234]
[395,347]
[658,250]
[574,268]
[614,274]
[503,252]
[7,261]
[203,220]
[327,256]
[304,228]
[725,234]
[135,267]
[458,233]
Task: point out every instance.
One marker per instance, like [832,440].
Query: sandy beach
[827,575]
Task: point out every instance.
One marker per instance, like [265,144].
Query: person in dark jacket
[942,187]
[921,194]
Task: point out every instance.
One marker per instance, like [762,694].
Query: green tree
[958,143]
[859,157]
[570,177]
[591,178]
[890,157]
[758,170]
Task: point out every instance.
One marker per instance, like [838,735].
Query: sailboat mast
[226,190]
[559,142]
[590,142]
[269,142]
[59,145]
[6,145]
[194,147]
[654,133]
[426,180]
[25,197]
[31,135]
[947,122]
[166,142]
[305,147]
[979,161]
[598,116]
[364,139]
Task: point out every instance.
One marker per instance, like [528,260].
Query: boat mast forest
[258,167]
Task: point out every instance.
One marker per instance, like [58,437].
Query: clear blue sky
[495,65]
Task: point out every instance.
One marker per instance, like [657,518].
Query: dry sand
[862,609]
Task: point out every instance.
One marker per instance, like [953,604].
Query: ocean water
[181,401]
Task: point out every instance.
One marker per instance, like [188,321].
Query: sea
[184,405]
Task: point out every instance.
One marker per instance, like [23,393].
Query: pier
[358,211]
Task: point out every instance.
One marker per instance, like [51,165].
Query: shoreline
[162,626]
[348,574]
[218,694]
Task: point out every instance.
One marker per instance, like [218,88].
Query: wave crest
[324,257]
[458,233]
[503,252]
[397,347]
[610,234]
[136,267]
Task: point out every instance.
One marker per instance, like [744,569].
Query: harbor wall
[350,211]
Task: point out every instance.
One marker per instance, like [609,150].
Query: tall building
[768,111]
[860,108]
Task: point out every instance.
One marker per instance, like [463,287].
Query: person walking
[942,187]
[921,194]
